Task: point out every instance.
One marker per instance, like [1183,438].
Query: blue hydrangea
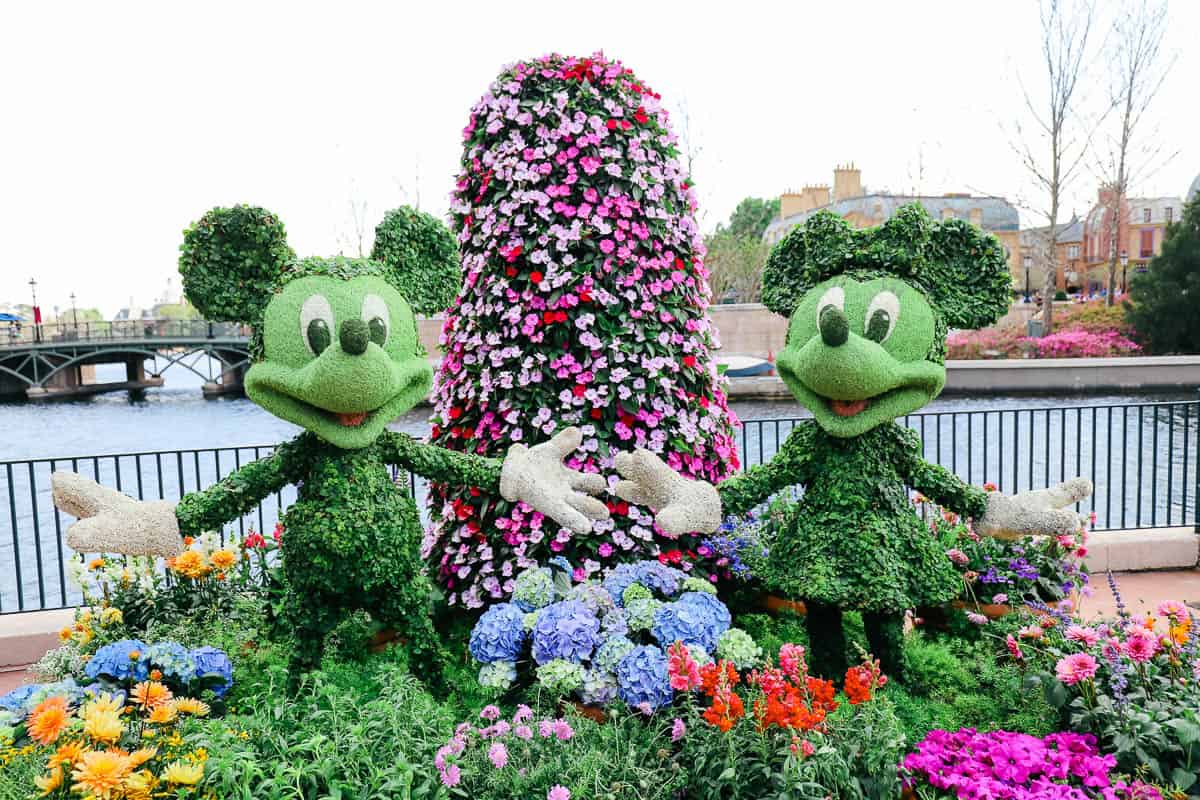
[533,588]
[695,618]
[562,563]
[658,577]
[568,630]
[172,659]
[642,678]
[615,623]
[592,595]
[498,674]
[620,578]
[122,661]
[15,701]
[599,687]
[213,662]
[611,651]
[499,634]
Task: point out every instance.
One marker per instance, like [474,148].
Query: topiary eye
[316,324]
[882,313]
[375,313]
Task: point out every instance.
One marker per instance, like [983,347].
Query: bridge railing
[1143,458]
[13,334]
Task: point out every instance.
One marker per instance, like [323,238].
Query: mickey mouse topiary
[336,353]
[423,258]
[866,344]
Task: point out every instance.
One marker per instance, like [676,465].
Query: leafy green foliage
[735,266]
[422,256]
[230,260]
[751,218]
[1162,301]
[961,269]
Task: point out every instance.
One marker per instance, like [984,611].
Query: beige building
[1070,275]
[863,208]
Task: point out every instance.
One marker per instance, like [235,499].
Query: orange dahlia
[100,773]
[222,559]
[49,720]
[151,694]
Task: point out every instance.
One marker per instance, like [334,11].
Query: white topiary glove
[680,505]
[1044,512]
[537,476]
[111,522]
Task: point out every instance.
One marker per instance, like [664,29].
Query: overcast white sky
[120,123]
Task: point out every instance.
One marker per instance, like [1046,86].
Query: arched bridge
[56,360]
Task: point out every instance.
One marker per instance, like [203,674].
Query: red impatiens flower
[640,116]
[535,277]
[689,362]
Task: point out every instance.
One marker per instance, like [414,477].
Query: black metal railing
[14,334]
[1144,460]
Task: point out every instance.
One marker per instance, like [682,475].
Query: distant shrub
[1082,344]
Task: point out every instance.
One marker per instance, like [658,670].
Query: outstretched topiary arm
[438,463]
[946,489]
[789,467]
[240,491]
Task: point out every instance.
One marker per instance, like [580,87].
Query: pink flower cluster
[1082,344]
[498,737]
[583,303]
[1016,766]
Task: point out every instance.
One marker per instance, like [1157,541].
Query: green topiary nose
[835,328]
[354,336]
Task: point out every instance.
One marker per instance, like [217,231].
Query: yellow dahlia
[139,757]
[49,720]
[66,755]
[190,705]
[100,773]
[111,616]
[50,782]
[162,715]
[183,773]
[151,694]
[104,726]
[223,559]
[140,785]
[190,564]
[103,703]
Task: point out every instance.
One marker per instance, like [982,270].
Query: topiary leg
[311,619]
[826,641]
[885,633]
[407,611]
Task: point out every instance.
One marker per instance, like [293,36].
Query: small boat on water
[744,366]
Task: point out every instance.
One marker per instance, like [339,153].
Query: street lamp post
[1124,266]
[74,313]
[37,327]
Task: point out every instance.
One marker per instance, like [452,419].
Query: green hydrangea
[534,588]
[736,646]
[498,674]
[641,613]
[611,651]
[560,676]
[635,591]
[699,654]
[530,620]
[694,584]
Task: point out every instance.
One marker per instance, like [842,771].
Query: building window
[1145,215]
[1170,214]
[1072,251]
[1147,247]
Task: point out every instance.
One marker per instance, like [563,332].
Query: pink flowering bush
[1082,344]
[1133,684]
[583,303]
[1016,766]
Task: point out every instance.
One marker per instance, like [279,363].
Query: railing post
[1196,477]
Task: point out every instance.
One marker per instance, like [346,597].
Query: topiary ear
[966,275]
[230,259]
[899,244]
[421,257]
[812,252]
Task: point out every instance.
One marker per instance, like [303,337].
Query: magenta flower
[678,730]
[1075,668]
[1141,645]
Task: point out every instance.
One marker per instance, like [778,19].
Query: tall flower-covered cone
[583,303]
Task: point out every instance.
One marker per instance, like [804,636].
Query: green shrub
[422,255]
